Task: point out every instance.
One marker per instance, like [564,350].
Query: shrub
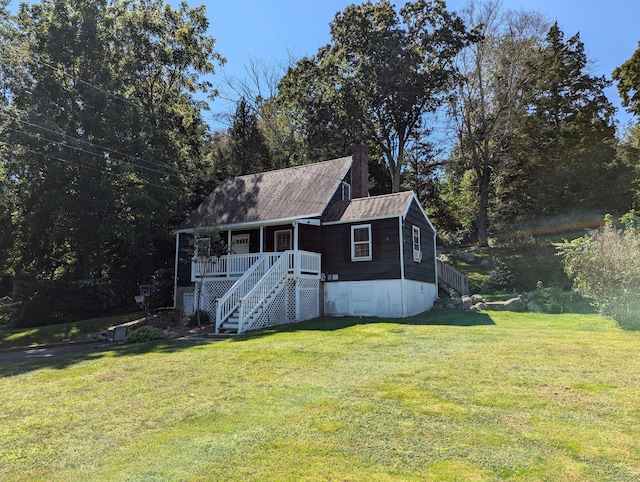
[144,334]
[501,275]
[205,319]
[605,267]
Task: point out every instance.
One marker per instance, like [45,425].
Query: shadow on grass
[435,317]
[64,357]
[59,358]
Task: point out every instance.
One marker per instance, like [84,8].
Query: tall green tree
[565,145]
[628,78]
[248,149]
[382,72]
[104,140]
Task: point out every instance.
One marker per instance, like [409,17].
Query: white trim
[175,272]
[417,253]
[256,224]
[401,238]
[369,241]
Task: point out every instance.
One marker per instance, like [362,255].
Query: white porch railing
[230,301]
[257,296]
[230,265]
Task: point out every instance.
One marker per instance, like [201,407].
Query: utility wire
[67,161]
[52,141]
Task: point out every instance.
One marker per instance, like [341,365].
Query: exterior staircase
[252,294]
[449,277]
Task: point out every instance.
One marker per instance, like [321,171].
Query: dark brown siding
[183,271]
[425,270]
[310,238]
[336,252]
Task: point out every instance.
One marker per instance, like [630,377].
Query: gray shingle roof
[296,192]
[388,205]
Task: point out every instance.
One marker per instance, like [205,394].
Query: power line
[67,161]
[93,153]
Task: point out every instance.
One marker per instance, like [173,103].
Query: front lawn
[447,395]
[74,331]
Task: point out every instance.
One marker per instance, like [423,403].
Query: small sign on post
[139,299]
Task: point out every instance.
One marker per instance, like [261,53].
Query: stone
[466,302]
[485,263]
[515,304]
[456,301]
[475,299]
[534,307]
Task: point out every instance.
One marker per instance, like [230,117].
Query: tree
[249,152]
[487,97]
[382,72]
[565,145]
[605,266]
[628,78]
[104,136]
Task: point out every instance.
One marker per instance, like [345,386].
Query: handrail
[230,264]
[256,297]
[228,303]
[450,276]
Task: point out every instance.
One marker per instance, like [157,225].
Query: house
[306,241]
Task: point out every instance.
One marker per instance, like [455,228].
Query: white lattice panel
[211,291]
[309,299]
[282,308]
[274,314]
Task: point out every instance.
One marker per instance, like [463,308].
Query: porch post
[296,268]
[228,251]
[261,239]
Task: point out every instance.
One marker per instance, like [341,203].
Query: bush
[205,319]
[501,275]
[144,334]
[605,267]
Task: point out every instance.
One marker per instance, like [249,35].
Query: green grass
[77,330]
[448,395]
[528,262]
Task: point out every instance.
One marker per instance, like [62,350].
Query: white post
[261,239]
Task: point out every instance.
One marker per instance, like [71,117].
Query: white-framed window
[417,251]
[346,191]
[361,243]
[282,240]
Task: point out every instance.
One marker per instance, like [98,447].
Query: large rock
[515,304]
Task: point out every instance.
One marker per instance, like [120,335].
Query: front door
[240,244]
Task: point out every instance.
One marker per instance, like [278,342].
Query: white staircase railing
[258,295]
[230,301]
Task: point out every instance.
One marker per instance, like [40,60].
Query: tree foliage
[565,144]
[628,78]
[383,70]
[105,133]
[605,267]
[487,99]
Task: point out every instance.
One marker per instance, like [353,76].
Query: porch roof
[296,192]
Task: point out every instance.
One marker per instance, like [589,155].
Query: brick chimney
[360,171]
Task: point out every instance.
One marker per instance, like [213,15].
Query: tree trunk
[483,208]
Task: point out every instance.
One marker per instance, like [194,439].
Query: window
[346,191]
[361,242]
[282,240]
[417,251]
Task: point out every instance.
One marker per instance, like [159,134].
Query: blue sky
[267,30]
